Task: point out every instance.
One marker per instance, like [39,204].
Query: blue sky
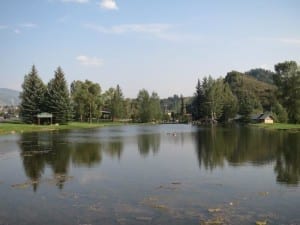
[159,45]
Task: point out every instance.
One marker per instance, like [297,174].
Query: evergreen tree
[198,102]
[32,96]
[117,106]
[58,99]
[182,106]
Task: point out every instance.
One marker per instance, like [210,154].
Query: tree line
[215,100]
[241,94]
[84,101]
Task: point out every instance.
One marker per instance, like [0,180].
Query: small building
[263,118]
[44,118]
[266,118]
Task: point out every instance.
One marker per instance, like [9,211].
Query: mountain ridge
[9,97]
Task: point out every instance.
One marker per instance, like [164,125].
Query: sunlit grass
[279,126]
[17,127]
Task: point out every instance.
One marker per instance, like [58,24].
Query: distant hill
[240,82]
[261,75]
[9,97]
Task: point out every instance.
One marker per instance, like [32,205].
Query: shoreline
[278,126]
[19,128]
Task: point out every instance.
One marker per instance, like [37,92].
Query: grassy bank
[279,126]
[13,127]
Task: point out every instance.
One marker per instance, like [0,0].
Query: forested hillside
[261,75]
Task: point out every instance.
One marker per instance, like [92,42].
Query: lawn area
[279,126]
[15,127]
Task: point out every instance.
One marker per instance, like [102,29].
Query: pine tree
[58,99]
[32,96]
[198,102]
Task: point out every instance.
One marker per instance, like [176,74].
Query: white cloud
[108,4]
[28,25]
[158,30]
[76,1]
[17,31]
[126,28]
[89,61]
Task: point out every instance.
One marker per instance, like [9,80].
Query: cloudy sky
[159,45]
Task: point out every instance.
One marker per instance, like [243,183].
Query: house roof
[265,115]
[261,116]
[44,115]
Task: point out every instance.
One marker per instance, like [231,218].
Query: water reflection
[56,151]
[240,145]
[216,147]
[148,143]
[288,159]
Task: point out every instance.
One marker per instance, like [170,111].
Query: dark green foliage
[143,106]
[287,79]
[155,108]
[118,103]
[148,107]
[115,103]
[86,100]
[198,104]
[262,93]
[58,99]
[230,104]
[279,113]
[171,104]
[213,101]
[32,96]
[261,75]
[248,104]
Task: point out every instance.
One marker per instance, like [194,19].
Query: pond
[155,174]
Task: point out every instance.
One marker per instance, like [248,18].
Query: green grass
[279,126]
[17,127]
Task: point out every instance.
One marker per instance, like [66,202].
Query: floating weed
[25,184]
[264,193]
[264,222]
[21,186]
[216,221]
[214,210]
[161,207]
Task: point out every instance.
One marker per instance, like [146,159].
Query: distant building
[44,118]
[263,118]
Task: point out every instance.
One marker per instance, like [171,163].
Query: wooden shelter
[44,117]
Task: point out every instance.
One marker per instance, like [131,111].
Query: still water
[160,174]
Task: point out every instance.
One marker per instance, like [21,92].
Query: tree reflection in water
[215,147]
[240,145]
[148,143]
[55,151]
